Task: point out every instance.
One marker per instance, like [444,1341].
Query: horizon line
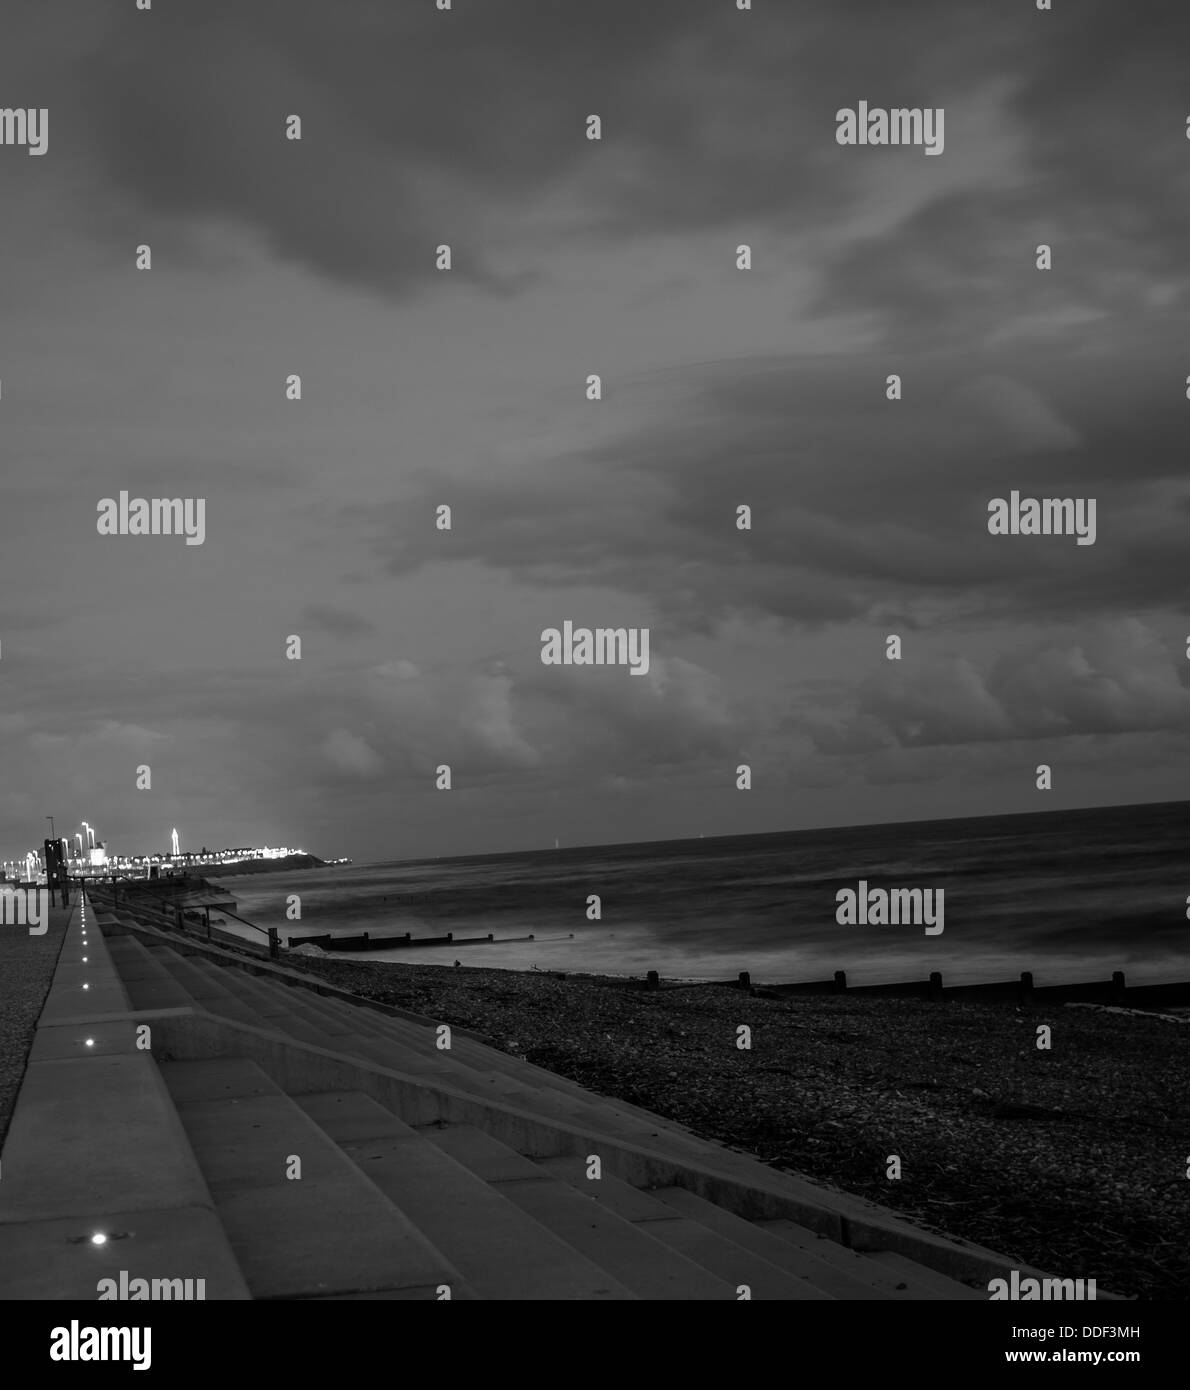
[753,834]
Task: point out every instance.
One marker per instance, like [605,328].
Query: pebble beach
[1072,1159]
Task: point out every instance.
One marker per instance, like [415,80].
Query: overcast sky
[721,387]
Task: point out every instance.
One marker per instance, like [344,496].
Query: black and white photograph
[594,672]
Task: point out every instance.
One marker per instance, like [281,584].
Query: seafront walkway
[191,1111]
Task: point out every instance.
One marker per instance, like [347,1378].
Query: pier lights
[99,1238]
[86,986]
[90,1042]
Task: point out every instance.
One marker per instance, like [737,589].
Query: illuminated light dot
[99,1238]
[90,1042]
[86,986]
[84,960]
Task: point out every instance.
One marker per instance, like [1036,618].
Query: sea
[1069,895]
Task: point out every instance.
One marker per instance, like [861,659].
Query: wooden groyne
[1023,990]
[367,942]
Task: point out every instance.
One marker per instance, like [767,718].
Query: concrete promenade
[193,1113]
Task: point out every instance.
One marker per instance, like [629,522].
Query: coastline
[1083,1142]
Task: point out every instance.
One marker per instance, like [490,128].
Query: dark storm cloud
[1097,101]
[418,125]
[1116,677]
[860,506]
[340,621]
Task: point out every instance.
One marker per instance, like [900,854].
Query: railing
[179,912]
[270,932]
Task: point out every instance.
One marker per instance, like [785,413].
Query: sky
[467,387]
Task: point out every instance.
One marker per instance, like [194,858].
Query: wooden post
[840,982]
[745,980]
[652,980]
[273,943]
[1117,984]
[1025,993]
[935,985]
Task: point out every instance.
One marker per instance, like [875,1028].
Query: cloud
[1113,678]
[339,621]
[350,755]
[861,507]
[416,121]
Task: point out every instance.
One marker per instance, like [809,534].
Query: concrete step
[233,1002]
[404,1046]
[650,1268]
[148,983]
[201,985]
[487,1060]
[919,1276]
[611,1224]
[474,1226]
[351,1030]
[841,1272]
[268,1003]
[330,1232]
[96,1148]
[498,1075]
[273,1001]
[328,1022]
[728,1262]
[387,1053]
[210,988]
[208,991]
[899,1276]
